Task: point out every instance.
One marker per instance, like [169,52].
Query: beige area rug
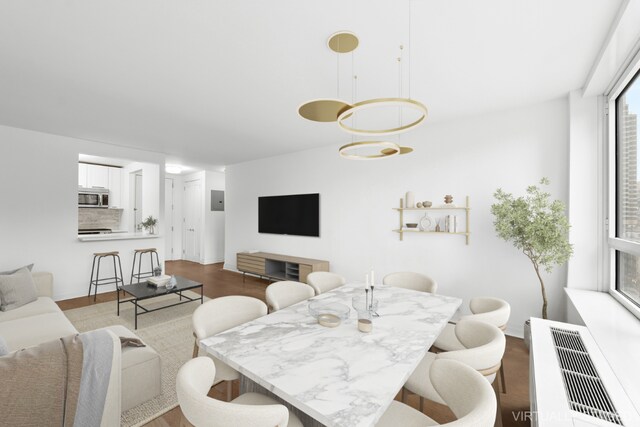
[168,331]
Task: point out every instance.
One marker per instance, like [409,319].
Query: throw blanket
[59,383]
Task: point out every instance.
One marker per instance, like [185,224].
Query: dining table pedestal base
[249,386]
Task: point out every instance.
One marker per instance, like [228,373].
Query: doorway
[168,217]
[192,220]
[135,198]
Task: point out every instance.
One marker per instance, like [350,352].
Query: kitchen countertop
[116,236]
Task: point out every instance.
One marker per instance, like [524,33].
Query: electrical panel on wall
[217,200]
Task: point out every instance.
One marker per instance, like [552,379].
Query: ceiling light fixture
[173,169]
[327,109]
[388,149]
[382,103]
[336,110]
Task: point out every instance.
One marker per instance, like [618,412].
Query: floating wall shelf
[403,230]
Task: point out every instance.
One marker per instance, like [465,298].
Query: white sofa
[36,322]
[42,320]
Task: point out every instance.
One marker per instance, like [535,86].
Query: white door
[137,202]
[168,218]
[192,220]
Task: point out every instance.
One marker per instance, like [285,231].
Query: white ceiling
[218,82]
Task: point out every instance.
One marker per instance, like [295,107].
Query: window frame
[615,244]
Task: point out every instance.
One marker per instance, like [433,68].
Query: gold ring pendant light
[336,110]
[388,149]
[382,103]
[328,110]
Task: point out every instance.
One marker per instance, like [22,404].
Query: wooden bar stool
[137,255]
[97,281]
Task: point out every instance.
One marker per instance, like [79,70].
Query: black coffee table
[143,290]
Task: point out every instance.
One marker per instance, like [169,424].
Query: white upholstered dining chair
[484,348]
[463,389]
[283,294]
[220,314]
[494,311]
[194,381]
[410,280]
[323,281]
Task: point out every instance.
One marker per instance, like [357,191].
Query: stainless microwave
[93,198]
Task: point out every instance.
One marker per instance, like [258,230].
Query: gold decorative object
[346,151]
[403,150]
[343,42]
[382,103]
[323,110]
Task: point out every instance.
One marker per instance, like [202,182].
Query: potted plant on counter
[149,224]
[538,227]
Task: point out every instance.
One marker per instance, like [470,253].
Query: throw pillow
[17,289]
[4,349]
[5,273]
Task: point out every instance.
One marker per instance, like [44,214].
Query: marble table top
[339,376]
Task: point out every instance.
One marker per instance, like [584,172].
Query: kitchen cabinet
[115,187]
[98,176]
[83,174]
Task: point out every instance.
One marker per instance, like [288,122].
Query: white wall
[473,156]
[38,207]
[150,193]
[585,189]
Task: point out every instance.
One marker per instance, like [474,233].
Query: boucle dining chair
[410,280]
[494,311]
[463,389]
[194,381]
[484,348]
[323,281]
[220,314]
[280,295]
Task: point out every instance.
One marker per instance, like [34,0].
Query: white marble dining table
[338,376]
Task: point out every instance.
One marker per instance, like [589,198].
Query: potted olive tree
[538,227]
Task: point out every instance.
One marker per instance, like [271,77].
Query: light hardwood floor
[218,282]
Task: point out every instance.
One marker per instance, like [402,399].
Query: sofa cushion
[141,371]
[33,330]
[17,289]
[6,273]
[40,306]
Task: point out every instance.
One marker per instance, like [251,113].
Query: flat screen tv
[297,215]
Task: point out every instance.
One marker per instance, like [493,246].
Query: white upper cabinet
[98,176]
[83,172]
[115,187]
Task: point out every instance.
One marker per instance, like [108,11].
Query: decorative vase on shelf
[409,200]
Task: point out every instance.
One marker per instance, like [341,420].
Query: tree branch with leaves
[537,226]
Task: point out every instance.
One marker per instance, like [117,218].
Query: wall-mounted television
[297,215]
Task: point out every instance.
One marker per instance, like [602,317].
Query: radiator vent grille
[583,385]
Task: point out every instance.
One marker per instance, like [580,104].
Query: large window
[626,242]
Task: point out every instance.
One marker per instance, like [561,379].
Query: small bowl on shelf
[329,314]
[412,225]
[427,204]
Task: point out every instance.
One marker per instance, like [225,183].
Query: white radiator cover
[549,402]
